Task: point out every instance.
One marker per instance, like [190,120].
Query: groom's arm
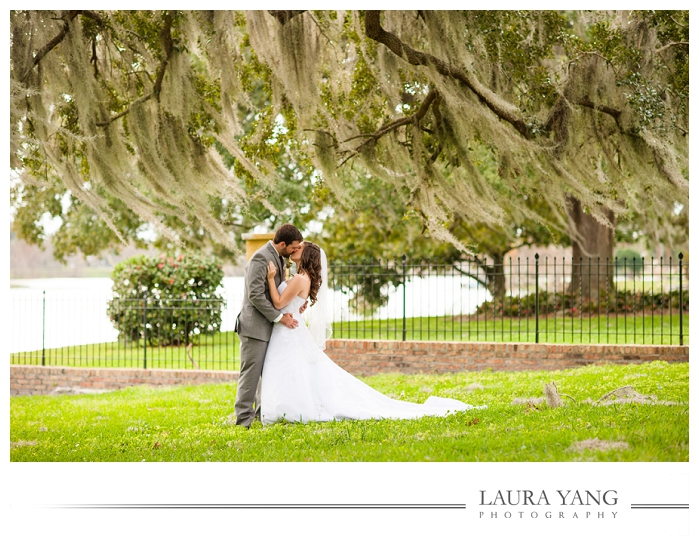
[257,277]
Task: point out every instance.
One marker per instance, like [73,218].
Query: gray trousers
[252,357]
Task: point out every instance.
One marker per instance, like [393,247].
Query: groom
[258,315]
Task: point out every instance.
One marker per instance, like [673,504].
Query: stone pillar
[254,242]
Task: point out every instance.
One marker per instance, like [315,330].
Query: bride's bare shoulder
[303,277]
[300,279]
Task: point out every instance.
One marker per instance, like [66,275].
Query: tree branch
[284,16]
[613,112]
[671,44]
[502,109]
[93,59]
[433,157]
[597,54]
[67,17]
[438,127]
[473,276]
[92,15]
[126,111]
[387,128]
[347,159]
[166,38]
[678,23]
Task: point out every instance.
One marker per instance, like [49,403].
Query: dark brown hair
[288,233]
[310,265]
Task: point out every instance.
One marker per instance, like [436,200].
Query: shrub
[616,302]
[177,292]
[628,262]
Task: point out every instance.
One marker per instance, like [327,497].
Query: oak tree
[585,112]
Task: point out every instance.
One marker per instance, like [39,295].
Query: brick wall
[38,380]
[363,358]
[367,357]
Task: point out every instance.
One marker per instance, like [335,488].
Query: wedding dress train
[300,383]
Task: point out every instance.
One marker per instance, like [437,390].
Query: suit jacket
[256,318]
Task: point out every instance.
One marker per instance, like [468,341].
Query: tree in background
[374,222]
[628,262]
[586,112]
[86,231]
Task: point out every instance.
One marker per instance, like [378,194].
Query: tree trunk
[495,276]
[593,252]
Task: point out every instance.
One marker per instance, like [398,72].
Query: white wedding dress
[302,384]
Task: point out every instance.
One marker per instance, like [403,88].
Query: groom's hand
[303,308]
[288,321]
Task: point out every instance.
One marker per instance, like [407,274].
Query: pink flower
[161,265]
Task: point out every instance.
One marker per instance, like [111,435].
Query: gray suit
[254,327]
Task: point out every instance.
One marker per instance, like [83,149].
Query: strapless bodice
[294,305]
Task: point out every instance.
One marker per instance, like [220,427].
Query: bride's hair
[310,264]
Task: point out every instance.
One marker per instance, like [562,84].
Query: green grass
[221,351]
[590,330]
[194,423]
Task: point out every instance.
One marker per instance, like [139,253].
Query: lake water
[73,311]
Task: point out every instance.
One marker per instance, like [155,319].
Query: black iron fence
[545,299]
[73,328]
[520,300]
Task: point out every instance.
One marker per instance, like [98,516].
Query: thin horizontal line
[651,507]
[258,506]
[659,506]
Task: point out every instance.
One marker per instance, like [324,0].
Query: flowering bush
[166,300]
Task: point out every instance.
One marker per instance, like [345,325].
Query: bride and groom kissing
[284,373]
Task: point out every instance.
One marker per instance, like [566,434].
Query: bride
[300,383]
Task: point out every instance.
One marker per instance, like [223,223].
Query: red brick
[366,357]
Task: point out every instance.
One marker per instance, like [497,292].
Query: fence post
[145,319]
[681,302]
[404,325]
[536,296]
[43,328]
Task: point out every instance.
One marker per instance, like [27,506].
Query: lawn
[601,329]
[221,351]
[194,423]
